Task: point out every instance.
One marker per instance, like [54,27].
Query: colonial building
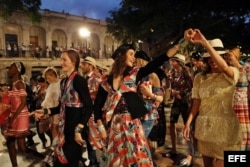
[39,45]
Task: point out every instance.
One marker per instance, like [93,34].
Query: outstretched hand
[195,36]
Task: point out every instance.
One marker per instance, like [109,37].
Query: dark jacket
[134,102]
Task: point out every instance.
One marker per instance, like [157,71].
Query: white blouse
[52,95]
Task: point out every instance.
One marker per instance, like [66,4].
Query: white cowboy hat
[217,45]
[89,60]
[179,57]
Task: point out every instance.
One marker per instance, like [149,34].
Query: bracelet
[78,129]
[101,128]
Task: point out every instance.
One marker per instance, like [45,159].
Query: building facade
[38,45]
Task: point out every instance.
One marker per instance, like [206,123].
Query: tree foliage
[159,22]
[29,7]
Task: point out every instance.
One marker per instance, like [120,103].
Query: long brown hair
[119,66]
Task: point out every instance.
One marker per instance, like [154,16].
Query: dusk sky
[96,9]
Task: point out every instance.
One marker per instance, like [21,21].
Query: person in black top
[120,105]
[75,109]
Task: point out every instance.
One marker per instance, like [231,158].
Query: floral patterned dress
[94,137]
[126,145]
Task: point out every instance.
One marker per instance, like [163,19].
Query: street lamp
[84,32]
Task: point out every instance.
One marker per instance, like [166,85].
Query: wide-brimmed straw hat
[179,57]
[217,45]
[89,60]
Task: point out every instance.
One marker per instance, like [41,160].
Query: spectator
[47,51]
[9,50]
[15,49]
[23,47]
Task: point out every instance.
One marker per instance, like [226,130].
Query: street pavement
[181,147]
[35,160]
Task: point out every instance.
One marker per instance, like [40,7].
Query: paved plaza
[36,161]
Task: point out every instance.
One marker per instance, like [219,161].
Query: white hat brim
[206,54]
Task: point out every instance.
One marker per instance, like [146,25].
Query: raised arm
[157,62]
[196,37]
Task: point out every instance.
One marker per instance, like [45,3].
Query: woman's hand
[104,135]
[5,106]
[195,36]
[102,131]
[38,114]
[176,94]
[186,132]
[157,104]
[189,34]
[78,138]
[145,90]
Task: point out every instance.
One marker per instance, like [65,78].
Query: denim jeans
[148,126]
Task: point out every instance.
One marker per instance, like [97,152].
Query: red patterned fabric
[69,97]
[126,144]
[20,126]
[4,115]
[241,105]
[94,136]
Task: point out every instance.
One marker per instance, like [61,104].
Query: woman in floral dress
[119,107]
